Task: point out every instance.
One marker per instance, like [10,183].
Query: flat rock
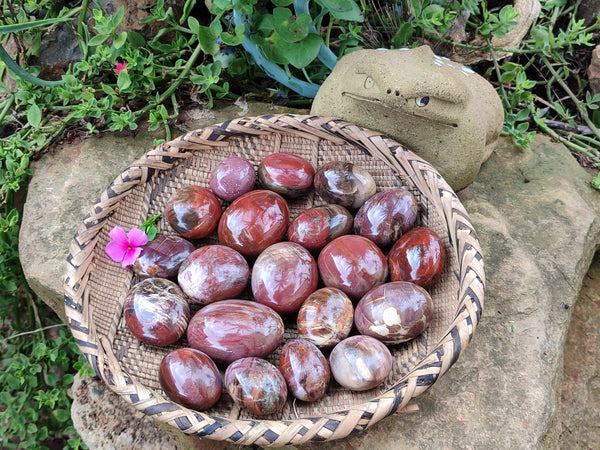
[538,222]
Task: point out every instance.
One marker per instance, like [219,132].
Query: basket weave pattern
[95,286]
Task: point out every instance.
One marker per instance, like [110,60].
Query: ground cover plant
[277,51]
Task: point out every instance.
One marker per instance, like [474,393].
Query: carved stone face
[444,112]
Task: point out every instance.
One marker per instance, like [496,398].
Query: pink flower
[120,66]
[125,248]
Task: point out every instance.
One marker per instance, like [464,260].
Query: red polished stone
[353,264]
[315,227]
[162,257]
[287,174]
[386,216]
[254,221]
[394,312]
[212,273]
[232,177]
[283,276]
[193,212]
[232,329]
[256,385]
[344,183]
[360,363]
[325,317]
[156,311]
[305,370]
[418,256]
[190,378]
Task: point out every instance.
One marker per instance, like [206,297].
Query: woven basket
[95,286]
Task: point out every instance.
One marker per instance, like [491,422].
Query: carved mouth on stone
[449,123]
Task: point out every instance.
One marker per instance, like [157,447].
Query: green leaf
[301,54]
[120,40]
[62,415]
[135,39]
[290,29]
[98,39]
[22,73]
[34,115]
[193,25]
[237,38]
[13,28]
[343,9]
[208,40]
[282,2]
[123,80]
[187,10]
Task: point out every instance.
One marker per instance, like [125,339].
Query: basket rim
[98,351]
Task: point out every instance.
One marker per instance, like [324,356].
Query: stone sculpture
[443,111]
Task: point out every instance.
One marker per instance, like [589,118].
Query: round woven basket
[95,286]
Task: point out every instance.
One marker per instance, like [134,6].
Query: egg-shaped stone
[232,177]
[283,276]
[287,174]
[212,273]
[254,221]
[344,183]
[156,311]
[418,256]
[256,385]
[232,329]
[313,228]
[190,378]
[387,215]
[193,212]
[394,312]
[305,370]
[325,318]
[360,363]
[162,256]
[353,264]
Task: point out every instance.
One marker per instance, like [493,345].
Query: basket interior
[109,284]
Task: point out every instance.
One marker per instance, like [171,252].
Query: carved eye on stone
[369,83]
[422,101]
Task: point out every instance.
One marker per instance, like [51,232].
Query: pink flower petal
[118,234]
[116,250]
[137,237]
[131,256]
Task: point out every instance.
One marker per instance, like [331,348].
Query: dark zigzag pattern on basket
[330,426]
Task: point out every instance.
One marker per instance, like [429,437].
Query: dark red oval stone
[232,177]
[360,363]
[287,174]
[283,276]
[345,184]
[254,221]
[162,257]
[156,311]
[305,370]
[193,212]
[256,385]
[418,256]
[232,329]
[315,227]
[394,312]
[353,264]
[190,378]
[212,273]
[325,317]
[384,217]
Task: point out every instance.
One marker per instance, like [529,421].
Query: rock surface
[538,221]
